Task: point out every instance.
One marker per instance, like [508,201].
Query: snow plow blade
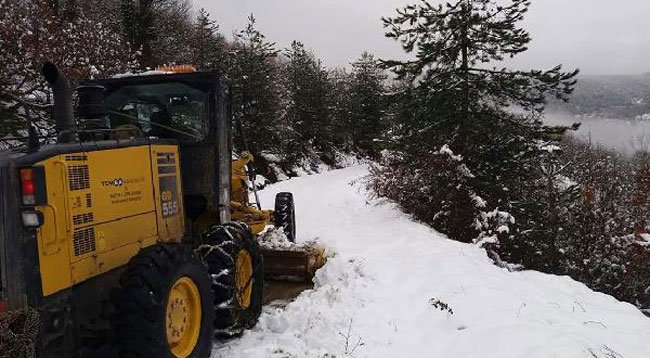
[298,263]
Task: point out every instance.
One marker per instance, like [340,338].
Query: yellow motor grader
[133,235]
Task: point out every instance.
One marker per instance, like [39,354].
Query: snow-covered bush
[433,188]
[587,218]
[585,214]
[35,31]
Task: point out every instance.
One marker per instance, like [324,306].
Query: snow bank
[398,289]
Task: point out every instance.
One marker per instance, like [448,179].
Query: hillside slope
[385,292]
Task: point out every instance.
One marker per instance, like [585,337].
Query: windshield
[165,110]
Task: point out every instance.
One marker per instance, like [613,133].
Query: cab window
[165,110]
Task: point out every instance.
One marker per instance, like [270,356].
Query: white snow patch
[145,73]
[446,150]
[386,291]
[491,239]
[503,229]
[643,117]
[480,202]
[564,183]
[548,147]
[275,239]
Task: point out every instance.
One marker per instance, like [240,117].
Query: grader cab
[134,235]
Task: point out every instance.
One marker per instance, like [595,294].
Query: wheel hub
[244,278]
[183,317]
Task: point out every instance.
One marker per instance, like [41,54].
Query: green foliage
[308,88]
[590,214]
[252,73]
[458,100]
[367,104]
[304,113]
[208,47]
[435,188]
[463,161]
[158,29]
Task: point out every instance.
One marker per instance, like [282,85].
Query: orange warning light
[177,68]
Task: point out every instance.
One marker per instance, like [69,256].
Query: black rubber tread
[142,300]
[285,215]
[221,245]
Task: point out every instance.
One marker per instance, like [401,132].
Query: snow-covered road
[378,296]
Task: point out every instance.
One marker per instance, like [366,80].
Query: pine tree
[308,89]
[208,46]
[253,72]
[462,99]
[367,105]
[159,29]
[340,82]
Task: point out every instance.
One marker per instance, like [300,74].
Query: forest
[454,138]
[306,114]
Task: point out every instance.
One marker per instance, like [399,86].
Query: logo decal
[117,182]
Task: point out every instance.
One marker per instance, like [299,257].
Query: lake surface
[624,135]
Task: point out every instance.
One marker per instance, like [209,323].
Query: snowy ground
[381,295]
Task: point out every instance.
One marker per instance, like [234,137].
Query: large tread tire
[285,215]
[141,303]
[221,246]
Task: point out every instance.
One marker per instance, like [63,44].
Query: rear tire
[236,266]
[285,215]
[164,307]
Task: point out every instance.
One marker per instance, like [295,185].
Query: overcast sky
[598,36]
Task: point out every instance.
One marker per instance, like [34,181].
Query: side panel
[53,236]
[120,184]
[169,193]
[100,212]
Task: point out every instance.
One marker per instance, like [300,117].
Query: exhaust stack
[63,109]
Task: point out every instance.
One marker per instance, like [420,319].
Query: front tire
[285,215]
[164,307]
[236,266]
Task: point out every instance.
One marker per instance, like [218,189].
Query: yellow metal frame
[103,207]
[240,207]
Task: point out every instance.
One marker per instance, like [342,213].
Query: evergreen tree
[253,73]
[159,29]
[208,46]
[367,105]
[308,89]
[340,81]
[464,103]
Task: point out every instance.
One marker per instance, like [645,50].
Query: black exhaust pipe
[63,109]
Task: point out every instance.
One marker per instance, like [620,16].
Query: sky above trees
[598,36]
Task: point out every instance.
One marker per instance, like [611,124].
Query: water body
[623,135]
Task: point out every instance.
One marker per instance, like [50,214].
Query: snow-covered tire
[235,263]
[285,215]
[147,289]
